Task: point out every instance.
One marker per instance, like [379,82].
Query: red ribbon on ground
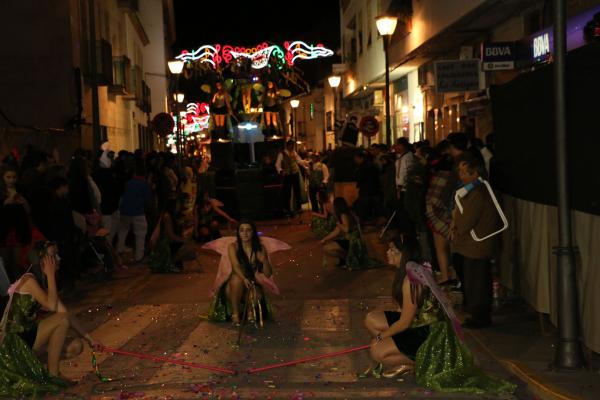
[168,360]
[307,359]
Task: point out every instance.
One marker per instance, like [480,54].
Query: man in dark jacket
[480,216]
[368,203]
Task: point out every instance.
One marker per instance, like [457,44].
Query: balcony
[146,103]
[121,85]
[135,88]
[103,63]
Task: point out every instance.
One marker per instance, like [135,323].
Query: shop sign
[369,126]
[542,42]
[541,47]
[457,76]
[498,56]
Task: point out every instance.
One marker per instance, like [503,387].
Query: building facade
[47,68]
[451,35]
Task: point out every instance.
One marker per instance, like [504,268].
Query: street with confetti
[320,310]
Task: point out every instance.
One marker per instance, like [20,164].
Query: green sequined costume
[321,227]
[220,309]
[22,375]
[160,258]
[442,362]
[357,256]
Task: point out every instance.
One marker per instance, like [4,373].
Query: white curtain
[528,264]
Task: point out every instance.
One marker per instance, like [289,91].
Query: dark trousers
[313,192]
[476,277]
[403,221]
[290,182]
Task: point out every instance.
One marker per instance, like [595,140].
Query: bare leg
[274,120]
[388,354]
[234,291]
[376,322]
[332,252]
[53,331]
[443,255]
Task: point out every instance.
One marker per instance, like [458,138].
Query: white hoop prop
[462,192]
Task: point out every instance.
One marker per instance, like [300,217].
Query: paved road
[320,310]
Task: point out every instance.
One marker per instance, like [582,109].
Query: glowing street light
[175,66]
[180,97]
[295,103]
[334,81]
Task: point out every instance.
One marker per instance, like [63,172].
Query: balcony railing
[103,63]
[121,76]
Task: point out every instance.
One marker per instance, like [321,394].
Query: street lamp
[176,67]
[386,25]
[295,103]
[179,97]
[334,82]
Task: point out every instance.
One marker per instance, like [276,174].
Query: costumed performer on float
[220,108]
[270,105]
[424,335]
[244,274]
[22,335]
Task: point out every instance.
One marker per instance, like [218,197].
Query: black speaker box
[250,196]
[268,147]
[222,156]
[241,153]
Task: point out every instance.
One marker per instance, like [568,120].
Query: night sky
[248,23]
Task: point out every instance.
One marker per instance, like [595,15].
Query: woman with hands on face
[23,335]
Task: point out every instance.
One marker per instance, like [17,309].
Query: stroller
[95,251]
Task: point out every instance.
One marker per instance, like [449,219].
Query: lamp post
[175,67]
[295,103]
[334,82]
[386,25]
[179,97]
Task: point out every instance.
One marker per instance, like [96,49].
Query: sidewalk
[517,342]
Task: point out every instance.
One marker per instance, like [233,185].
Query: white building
[45,73]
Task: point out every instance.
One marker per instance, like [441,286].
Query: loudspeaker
[268,147]
[250,196]
[241,153]
[222,156]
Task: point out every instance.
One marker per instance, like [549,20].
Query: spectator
[61,227]
[105,178]
[487,152]
[288,165]
[15,229]
[368,203]
[473,258]
[350,132]
[317,181]
[136,197]
[404,161]
[84,195]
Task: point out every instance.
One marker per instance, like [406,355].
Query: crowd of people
[90,210]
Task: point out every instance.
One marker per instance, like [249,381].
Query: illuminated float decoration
[260,55]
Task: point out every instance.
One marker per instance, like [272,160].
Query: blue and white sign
[542,48]
[542,42]
[498,56]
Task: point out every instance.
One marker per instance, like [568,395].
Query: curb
[537,386]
